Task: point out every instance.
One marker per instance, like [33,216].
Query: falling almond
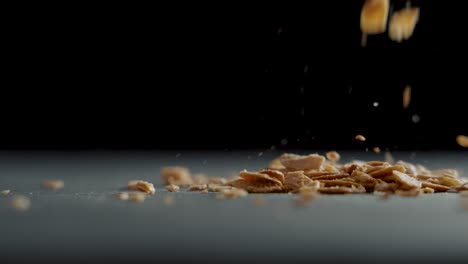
[462,141]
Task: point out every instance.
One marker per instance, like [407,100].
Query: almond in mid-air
[374,15]
[402,24]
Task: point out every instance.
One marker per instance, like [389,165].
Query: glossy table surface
[84,222]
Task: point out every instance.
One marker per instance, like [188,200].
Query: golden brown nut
[462,141]
[141,186]
[406,96]
[176,175]
[295,162]
[402,24]
[172,188]
[333,156]
[374,15]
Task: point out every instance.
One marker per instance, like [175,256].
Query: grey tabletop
[84,222]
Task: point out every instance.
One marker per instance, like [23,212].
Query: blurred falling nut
[21,203]
[462,141]
[374,15]
[402,24]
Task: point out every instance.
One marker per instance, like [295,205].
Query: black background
[213,77]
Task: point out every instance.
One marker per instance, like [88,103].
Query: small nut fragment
[276,174]
[449,181]
[172,188]
[122,196]
[389,157]
[53,184]
[387,171]
[436,187]
[233,193]
[168,200]
[293,181]
[406,96]
[176,175]
[141,186]
[295,162]
[376,150]
[262,177]
[405,181]
[21,203]
[255,186]
[137,197]
[374,15]
[360,138]
[462,141]
[5,192]
[428,190]
[333,156]
[402,24]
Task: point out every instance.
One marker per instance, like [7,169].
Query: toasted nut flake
[276,165]
[428,190]
[122,196]
[445,172]
[330,176]
[405,181]
[344,183]
[374,15]
[259,177]
[197,187]
[233,193]
[376,150]
[300,163]
[141,186]
[384,186]
[168,200]
[387,171]
[462,141]
[217,188]
[276,174]
[360,138]
[53,184]
[5,192]
[176,175]
[406,96]
[259,201]
[436,187]
[377,163]
[137,197]
[293,181]
[410,168]
[402,24]
[365,179]
[172,188]
[333,156]
[255,186]
[21,203]
[217,180]
[408,193]
[449,181]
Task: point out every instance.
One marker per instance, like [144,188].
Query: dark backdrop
[213,77]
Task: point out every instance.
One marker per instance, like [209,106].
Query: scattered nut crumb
[376,150]
[233,193]
[360,138]
[137,197]
[462,141]
[168,200]
[122,196]
[428,190]
[172,188]
[176,175]
[5,192]
[333,156]
[406,96]
[53,184]
[141,186]
[21,203]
